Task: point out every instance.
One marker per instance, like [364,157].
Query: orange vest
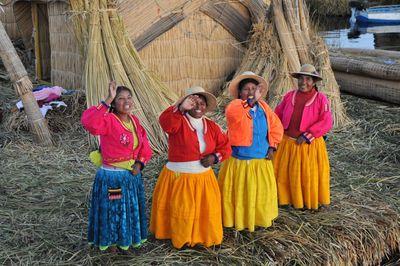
[240,124]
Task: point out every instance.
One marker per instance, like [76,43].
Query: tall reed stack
[280,43]
[110,55]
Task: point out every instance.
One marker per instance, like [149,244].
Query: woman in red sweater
[186,201]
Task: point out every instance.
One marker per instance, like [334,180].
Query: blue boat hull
[380,21]
[379,14]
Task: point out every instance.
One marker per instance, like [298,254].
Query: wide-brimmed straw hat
[233,87]
[307,70]
[210,98]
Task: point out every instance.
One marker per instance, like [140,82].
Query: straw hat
[211,100]
[233,88]
[308,70]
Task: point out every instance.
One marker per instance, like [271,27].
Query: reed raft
[368,73]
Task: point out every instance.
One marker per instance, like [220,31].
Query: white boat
[379,14]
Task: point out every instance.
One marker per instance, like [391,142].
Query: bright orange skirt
[302,173]
[187,209]
[249,196]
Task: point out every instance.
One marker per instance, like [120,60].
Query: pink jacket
[116,140]
[317,117]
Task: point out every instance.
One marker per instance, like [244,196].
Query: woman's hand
[251,100]
[136,168]
[188,103]
[300,140]
[112,91]
[259,91]
[270,154]
[207,160]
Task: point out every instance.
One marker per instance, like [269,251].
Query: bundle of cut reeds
[110,55]
[279,45]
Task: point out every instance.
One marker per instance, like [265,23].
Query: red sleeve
[222,147]
[96,120]
[171,120]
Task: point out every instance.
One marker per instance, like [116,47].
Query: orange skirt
[302,173]
[187,209]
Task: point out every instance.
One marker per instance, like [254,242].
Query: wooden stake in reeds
[23,88]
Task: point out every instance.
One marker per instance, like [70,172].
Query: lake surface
[342,33]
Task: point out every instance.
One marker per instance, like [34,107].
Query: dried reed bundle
[152,96]
[369,87]
[375,53]
[111,55]
[285,36]
[257,9]
[273,54]
[328,85]
[357,65]
[97,72]
[79,15]
[292,15]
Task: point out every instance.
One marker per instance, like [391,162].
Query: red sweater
[183,144]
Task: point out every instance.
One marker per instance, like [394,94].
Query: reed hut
[159,48]
[184,42]
[8,20]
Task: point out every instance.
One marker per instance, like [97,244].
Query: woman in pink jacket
[117,216]
[301,163]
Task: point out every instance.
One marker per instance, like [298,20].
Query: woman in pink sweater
[301,163]
[117,215]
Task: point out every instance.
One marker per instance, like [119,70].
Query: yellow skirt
[302,173]
[187,209]
[249,196]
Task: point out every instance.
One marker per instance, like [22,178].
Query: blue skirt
[117,214]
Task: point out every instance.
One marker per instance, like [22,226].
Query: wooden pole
[23,88]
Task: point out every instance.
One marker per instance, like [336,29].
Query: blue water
[348,33]
[339,39]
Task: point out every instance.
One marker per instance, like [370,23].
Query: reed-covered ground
[44,195]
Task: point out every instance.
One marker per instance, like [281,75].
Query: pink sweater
[316,119]
[116,140]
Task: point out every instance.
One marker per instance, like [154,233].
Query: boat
[379,14]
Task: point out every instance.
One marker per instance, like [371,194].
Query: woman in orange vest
[246,179]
